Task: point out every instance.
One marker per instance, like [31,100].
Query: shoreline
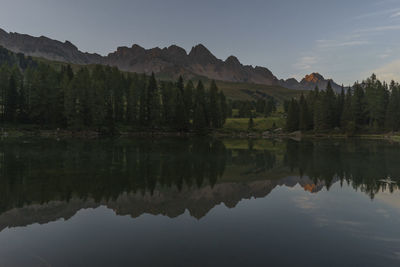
[90,134]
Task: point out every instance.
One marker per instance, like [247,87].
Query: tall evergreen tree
[153,103]
[392,122]
[305,116]
[11,103]
[224,108]
[292,123]
[188,98]
[358,106]
[214,107]
[347,114]
[199,116]
[329,108]
[181,118]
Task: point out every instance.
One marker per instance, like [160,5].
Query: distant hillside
[168,62]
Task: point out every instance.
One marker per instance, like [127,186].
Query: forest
[371,106]
[105,99]
[101,98]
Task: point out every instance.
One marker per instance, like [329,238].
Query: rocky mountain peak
[70,45]
[137,47]
[177,52]
[233,61]
[202,55]
[314,78]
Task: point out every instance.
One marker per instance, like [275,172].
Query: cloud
[335,43]
[377,13]
[395,15]
[388,52]
[305,63]
[390,71]
[380,29]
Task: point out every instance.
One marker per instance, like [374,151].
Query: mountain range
[164,62]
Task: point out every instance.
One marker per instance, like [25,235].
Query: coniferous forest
[101,97]
[371,106]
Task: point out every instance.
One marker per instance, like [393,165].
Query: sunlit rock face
[310,82]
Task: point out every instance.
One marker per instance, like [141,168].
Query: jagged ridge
[172,61]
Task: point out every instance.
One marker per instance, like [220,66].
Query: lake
[199,202]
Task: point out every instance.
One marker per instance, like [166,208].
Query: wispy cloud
[305,63]
[380,29]
[343,43]
[370,35]
[387,53]
[395,15]
[378,13]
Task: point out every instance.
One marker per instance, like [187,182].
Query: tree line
[263,106]
[369,106]
[102,97]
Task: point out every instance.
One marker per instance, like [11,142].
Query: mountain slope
[167,62]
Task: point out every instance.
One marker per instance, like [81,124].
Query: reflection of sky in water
[290,226]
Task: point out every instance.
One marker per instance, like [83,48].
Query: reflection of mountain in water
[170,202]
[43,181]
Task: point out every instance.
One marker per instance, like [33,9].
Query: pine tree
[319,117]
[340,106]
[224,108]
[392,122]
[181,118]
[132,100]
[11,102]
[214,107]
[358,106]
[100,99]
[375,95]
[168,103]
[188,99]
[117,87]
[143,113]
[305,117]
[329,108]
[347,114]
[153,103]
[292,121]
[199,116]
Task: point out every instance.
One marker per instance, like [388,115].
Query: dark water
[199,202]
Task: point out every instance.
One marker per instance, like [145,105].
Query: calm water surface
[199,202]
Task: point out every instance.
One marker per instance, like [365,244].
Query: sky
[346,40]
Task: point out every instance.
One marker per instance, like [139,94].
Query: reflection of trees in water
[42,171]
[365,164]
[50,170]
[259,160]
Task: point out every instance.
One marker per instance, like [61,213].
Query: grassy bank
[239,125]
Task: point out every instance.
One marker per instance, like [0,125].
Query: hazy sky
[345,40]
